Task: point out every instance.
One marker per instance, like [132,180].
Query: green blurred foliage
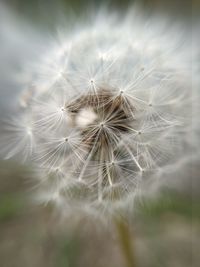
[67,252]
[30,7]
[48,14]
[11,206]
[170,203]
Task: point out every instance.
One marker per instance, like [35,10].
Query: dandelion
[108,108]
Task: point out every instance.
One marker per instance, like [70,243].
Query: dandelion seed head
[110,105]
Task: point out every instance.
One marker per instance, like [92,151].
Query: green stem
[125,241]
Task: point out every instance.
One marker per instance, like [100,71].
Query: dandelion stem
[126,244]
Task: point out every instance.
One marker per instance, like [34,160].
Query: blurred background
[164,231]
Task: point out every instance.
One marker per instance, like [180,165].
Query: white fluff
[144,61]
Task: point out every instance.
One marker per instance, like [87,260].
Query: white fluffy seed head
[109,107]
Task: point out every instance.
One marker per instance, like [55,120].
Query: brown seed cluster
[112,119]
